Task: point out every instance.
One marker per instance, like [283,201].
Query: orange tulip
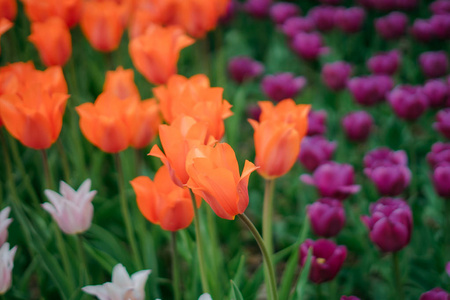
[194,97]
[162,202]
[53,41]
[103,24]
[176,140]
[157,61]
[67,10]
[5,25]
[214,176]
[121,83]
[8,9]
[144,124]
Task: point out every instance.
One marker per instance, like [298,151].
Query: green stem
[397,277]
[84,272]
[267,222]
[64,161]
[48,174]
[319,291]
[198,238]
[266,257]
[63,252]
[126,213]
[175,267]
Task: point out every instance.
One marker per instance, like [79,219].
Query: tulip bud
[384,63]
[392,26]
[435,294]
[389,180]
[258,8]
[254,111]
[327,217]
[408,102]
[441,178]
[357,125]
[323,17]
[440,7]
[440,153]
[406,4]
[6,266]
[4,224]
[317,122]
[281,11]
[390,224]
[350,20]
[441,26]
[282,86]
[422,30]
[308,45]
[385,157]
[242,68]
[335,75]
[326,260]
[294,25]
[72,210]
[437,92]
[315,151]
[434,64]
[443,122]
[370,90]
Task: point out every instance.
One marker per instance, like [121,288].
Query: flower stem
[175,267]
[126,213]
[84,272]
[48,174]
[266,257]
[63,252]
[267,222]
[198,238]
[397,278]
[64,162]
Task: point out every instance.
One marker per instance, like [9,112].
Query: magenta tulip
[392,26]
[422,30]
[317,122]
[336,75]
[323,17]
[435,294]
[327,217]
[316,150]
[357,125]
[242,68]
[437,92]
[408,102]
[258,8]
[370,90]
[440,153]
[443,122]
[434,64]
[384,63]
[308,46]
[282,86]
[281,11]
[294,25]
[350,20]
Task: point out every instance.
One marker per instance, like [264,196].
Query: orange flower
[34,116]
[214,176]
[176,140]
[162,202]
[121,83]
[194,97]
[155,54]
[67,10]
[53,41]
[5,25]
[278,136]
[144,124]
[103,24]
[8,9]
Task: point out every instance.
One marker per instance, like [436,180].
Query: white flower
[4,223]
[122,286]
[72,210]
[205,296]
[6,266]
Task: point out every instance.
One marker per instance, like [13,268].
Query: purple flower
[317,122]
[327,217]
[390,224]
[254,111]
[443,122]
[370,90]
[308,45]
[384,63]
[441,178]
[242,68]
[435,294]
[230,12]
[392,26]
[440,153]
[294,25]
[330,2]
[422,30]
[281,11]
[349,298]
[333,180]
[384,157]
[382,5]
[434,64]
[389,180]
[350,20]
[282,86]
[408,102]
[441,26]
[437,92]
[447,268]
[315,151]
[326,260]
[440,7]
[357,125]
[323,17]
[258,8]
[335,75]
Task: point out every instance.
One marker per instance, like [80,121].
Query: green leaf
[235,292]
[304,275]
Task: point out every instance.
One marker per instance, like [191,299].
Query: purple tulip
[326,260]
[408,102]
[333,180]
[384,63]
[440,7]
[441,178]
[392,26]
[422,30]
[282,86]
[317,122]
[350,20]
[370,90]
[330,2]
[389,180]
[434,64]
[349,298]
[384,157]
[323,17]
[435,294]
[390,224]
[308,45]
[315,151]
[253,111]
[441,26]
[294,25]
[335,75]
[357,125]
[382,5]
[230,12]
[242,68]
[258,8]
[437,92]
[440,154]
[281,11]
[327,217]
[443,122]
[447,268]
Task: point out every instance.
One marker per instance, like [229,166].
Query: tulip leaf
[304,276]
[235,292]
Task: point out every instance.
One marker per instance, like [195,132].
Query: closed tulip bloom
[121,83]
[53,41]
[349,298]
[435,294]
[282,86]
[434,64]
[335,75]
[441,177]
[437,92]
[72,210]
[408,102]
[441,26]
[370,90]
[392,26]
[323,17]
[162,202]
[244,68]
[389,180]
[440,7]
[308,46]
[390,224]
[327,217]
[158,61]
[315,151]
[350,20]
[326,260]
[317,122]
[214,176]
[422,30]
[8,9]
[5,25]
[357,125]
[281,11]
[385,157]
[258,8]
[384,63]
[440,153]
[6,266]
[4,224]
[294,25]
[447,268]
[333,180]
[67,10]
